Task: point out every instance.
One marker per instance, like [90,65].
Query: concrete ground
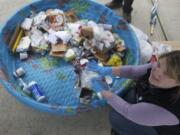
[18,119]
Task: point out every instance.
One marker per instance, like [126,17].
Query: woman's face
[159,76]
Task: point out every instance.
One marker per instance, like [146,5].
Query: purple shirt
[143,113]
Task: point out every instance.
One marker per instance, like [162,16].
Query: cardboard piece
[58,50]
[174,44]
[120,48]
[71,16]
[87,32]
[101,56]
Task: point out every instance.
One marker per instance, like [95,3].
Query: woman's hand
[103,71]
[98,85]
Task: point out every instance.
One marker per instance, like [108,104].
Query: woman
[156,108]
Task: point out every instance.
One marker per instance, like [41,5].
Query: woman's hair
[173,67]
[172,64]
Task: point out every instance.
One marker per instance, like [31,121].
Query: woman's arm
[131,71]
[141,113]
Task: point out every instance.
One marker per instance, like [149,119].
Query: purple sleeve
[134,72]
[143,113]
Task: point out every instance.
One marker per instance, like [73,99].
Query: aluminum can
[36,92]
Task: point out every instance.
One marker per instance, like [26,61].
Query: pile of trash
[61,34]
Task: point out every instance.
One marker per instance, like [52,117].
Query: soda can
[19,72]
[36,92]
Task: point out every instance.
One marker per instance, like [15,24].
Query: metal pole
[153,16]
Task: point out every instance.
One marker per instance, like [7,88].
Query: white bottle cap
[41,99]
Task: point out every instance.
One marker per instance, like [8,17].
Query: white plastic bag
[146,49]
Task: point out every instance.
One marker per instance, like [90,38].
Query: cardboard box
[174,44]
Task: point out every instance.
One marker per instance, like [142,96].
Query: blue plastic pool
[56,77]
